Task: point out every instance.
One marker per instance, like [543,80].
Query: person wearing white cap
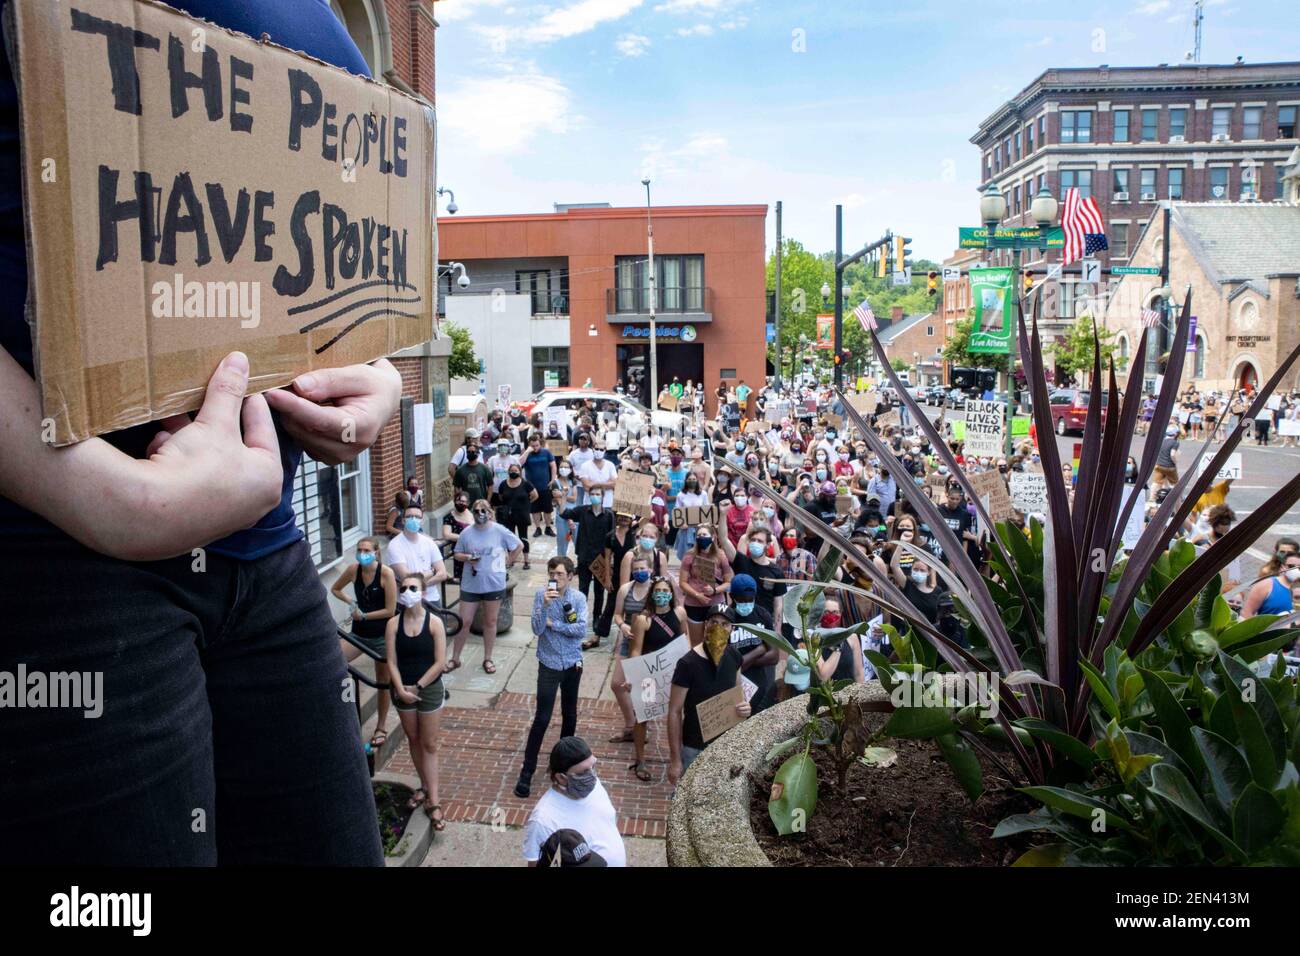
[1166,468]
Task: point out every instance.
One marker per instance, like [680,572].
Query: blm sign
[190,191]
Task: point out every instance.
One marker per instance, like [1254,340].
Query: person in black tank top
[661,624]
[371,607]
[417,652]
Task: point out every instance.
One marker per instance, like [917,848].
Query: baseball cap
[471,433]
[743,584]
[827,488]
[721,610]
[796,670]
[568,752]
[1171,431]
[572,849]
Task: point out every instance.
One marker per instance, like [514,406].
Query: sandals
[588,645]
[641,772]
[417,798]
[489,666]
[437,822]
[378,738]
[624,738]
[451,666]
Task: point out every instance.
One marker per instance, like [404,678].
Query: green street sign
[975,237]
[992,291]
[1134,271]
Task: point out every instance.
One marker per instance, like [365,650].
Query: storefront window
[554,360]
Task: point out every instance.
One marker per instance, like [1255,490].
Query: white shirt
[651,444]
[500,467]
[422,555]
[593,817]
[600,470]
[579,457]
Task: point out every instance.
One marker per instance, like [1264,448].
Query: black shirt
[927,604]
[765,576]
[960,521]
[593,531]
[746,642]
[702,681]
[515,501]
[617,551]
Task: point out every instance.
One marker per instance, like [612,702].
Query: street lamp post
[993,209]
[654,358]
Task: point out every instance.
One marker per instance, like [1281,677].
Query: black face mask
[472,454]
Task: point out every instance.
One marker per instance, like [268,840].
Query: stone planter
[418,837]
[505,617]
[708,821]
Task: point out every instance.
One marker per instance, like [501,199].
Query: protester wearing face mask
[707,670]
[758,661]
[369,588]
[647,546]
[722,487]
[883,486]
[917,581]
[564,496]
[453,523]
[618,543]
[690,497]
[540,470]
[577,458]
[559,622]
[632,601]
[473,477]
[576,801]
[593,525]
[416,650]
[739,515]
[843,661]
[1273,595]
[513,499]
[413,551]
[704,574]
[1218,522]
[487,550]
[500,463]
[753,559]
[393,523]
[660,625]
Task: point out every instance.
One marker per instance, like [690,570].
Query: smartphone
[552,587]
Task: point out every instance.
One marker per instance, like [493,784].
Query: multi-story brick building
[337,504]
[1131,137]
[918,341]
[954,301]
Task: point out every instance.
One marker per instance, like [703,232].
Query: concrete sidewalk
[479,844]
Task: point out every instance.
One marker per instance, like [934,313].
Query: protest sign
[556,414]
[600,570]
[632,491]
[992,492]
[557,447]
[864,405]
[984,428]
[613,440]
[844,504]
[958,430]
[1020,426]
[205,193]
[693,516]
[748,687]
[651,677]
[1029,492]
[754,428]
[718,714]
[1231,468]
[1136,519]
[1288,426]
[668,402]
[889,418]
[776,411]
[834,421]
[503,395]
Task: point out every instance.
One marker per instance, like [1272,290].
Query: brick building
[337,504]
[917,340]
[564,296]
[955,302]
[1131,137]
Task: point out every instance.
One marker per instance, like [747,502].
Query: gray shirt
[1167,448]
[493,543]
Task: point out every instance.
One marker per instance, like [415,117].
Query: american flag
[1150,318]
[865,316]
[1081,222]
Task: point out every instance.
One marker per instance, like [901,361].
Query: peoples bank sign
[682,333]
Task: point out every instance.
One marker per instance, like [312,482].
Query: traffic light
[902,252]
[1029,283]
[882,262]
[932,282]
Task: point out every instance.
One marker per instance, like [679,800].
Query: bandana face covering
[716,639]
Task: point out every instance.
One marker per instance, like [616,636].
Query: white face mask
[1293,575]
[920,577]
[409,598]
[741,501]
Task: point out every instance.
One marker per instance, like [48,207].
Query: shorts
[697,613]
[545,502]
[1169,474]
[377,644]
[468,598]
[624,646]
[430,699]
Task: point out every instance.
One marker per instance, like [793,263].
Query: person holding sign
[127,516]
[594,525]
[704,574]
[630,603]
[689,497]
[651,632]
[708,669]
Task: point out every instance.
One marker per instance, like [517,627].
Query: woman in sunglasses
[417,653]
[487,550]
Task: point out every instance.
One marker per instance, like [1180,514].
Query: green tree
[899,364]
[956,349]
[463,362]
[802,276]
[1075,353]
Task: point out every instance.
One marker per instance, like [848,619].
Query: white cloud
[1152,7]
[557,24]
[504,113]
[698,153]
[464,9]
[632,44]
[1045,41]
[707,7]
[699,30]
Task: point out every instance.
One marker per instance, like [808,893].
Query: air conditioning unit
[1220,138]
[1121,197]
[1177,139]
[1148,197]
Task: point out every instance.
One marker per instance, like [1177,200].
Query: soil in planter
[910,814]
[393,814]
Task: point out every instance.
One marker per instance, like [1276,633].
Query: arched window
[1200,355]
[367,23]
[1121,352]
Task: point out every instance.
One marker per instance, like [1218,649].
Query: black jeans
[228,732]
[548,682]
[586,582]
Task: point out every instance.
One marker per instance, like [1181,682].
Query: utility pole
[777,310]
[1164,338]
[839,296]
[654,358]
[1198,19]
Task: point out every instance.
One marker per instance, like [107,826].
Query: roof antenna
[1198,19]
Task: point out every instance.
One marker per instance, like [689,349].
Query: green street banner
[975,237]
[992,291]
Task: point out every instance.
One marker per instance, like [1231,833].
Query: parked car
[1070,409]
[956,398]
[935,395]
[570,398]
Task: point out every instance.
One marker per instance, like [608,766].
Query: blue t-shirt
[306,25]
[537,469]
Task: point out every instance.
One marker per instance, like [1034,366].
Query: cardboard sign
[601,571]
[286,206]
[1029,492]
[748,687]
[889,418]
[864,405]
[1231,468]
[558,415]
[651,677]
[834,421]
[844,504]
[1288,426]
[704,569]
[1136,519]
[985,422]
[754,428]
[557,447]
[693,516]
[632,491]
[718,714]
[668,402]
[992,492]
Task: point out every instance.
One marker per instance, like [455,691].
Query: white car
[571,398]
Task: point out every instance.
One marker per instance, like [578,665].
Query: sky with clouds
[867,103]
